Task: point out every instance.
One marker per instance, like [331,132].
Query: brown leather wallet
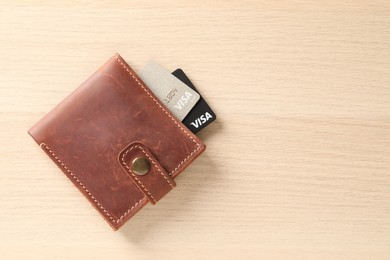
[117,142]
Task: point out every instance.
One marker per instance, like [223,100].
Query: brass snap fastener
[140,166]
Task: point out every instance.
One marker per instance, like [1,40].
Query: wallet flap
[146,172]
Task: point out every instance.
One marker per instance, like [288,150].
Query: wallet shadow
[150,218]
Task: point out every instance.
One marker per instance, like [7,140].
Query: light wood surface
[296,167]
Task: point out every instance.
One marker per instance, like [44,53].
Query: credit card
[201,114]
[177,96]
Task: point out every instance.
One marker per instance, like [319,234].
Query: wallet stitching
[173,119]
[135,177]
[185,159]
[129,210]
[85,188]
[74,177]
[131,172]
[153,161]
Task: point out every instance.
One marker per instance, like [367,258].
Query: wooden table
[297,165]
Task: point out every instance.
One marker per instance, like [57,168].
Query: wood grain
[296,167]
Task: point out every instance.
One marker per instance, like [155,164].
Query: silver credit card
[172,92]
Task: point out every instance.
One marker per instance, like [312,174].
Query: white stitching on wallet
[132,174]
[147,155]
[82,186]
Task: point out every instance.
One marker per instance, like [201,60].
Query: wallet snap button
[140,165]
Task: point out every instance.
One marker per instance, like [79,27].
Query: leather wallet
[118,144]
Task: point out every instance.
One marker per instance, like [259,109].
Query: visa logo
[183,100]
[201,120]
